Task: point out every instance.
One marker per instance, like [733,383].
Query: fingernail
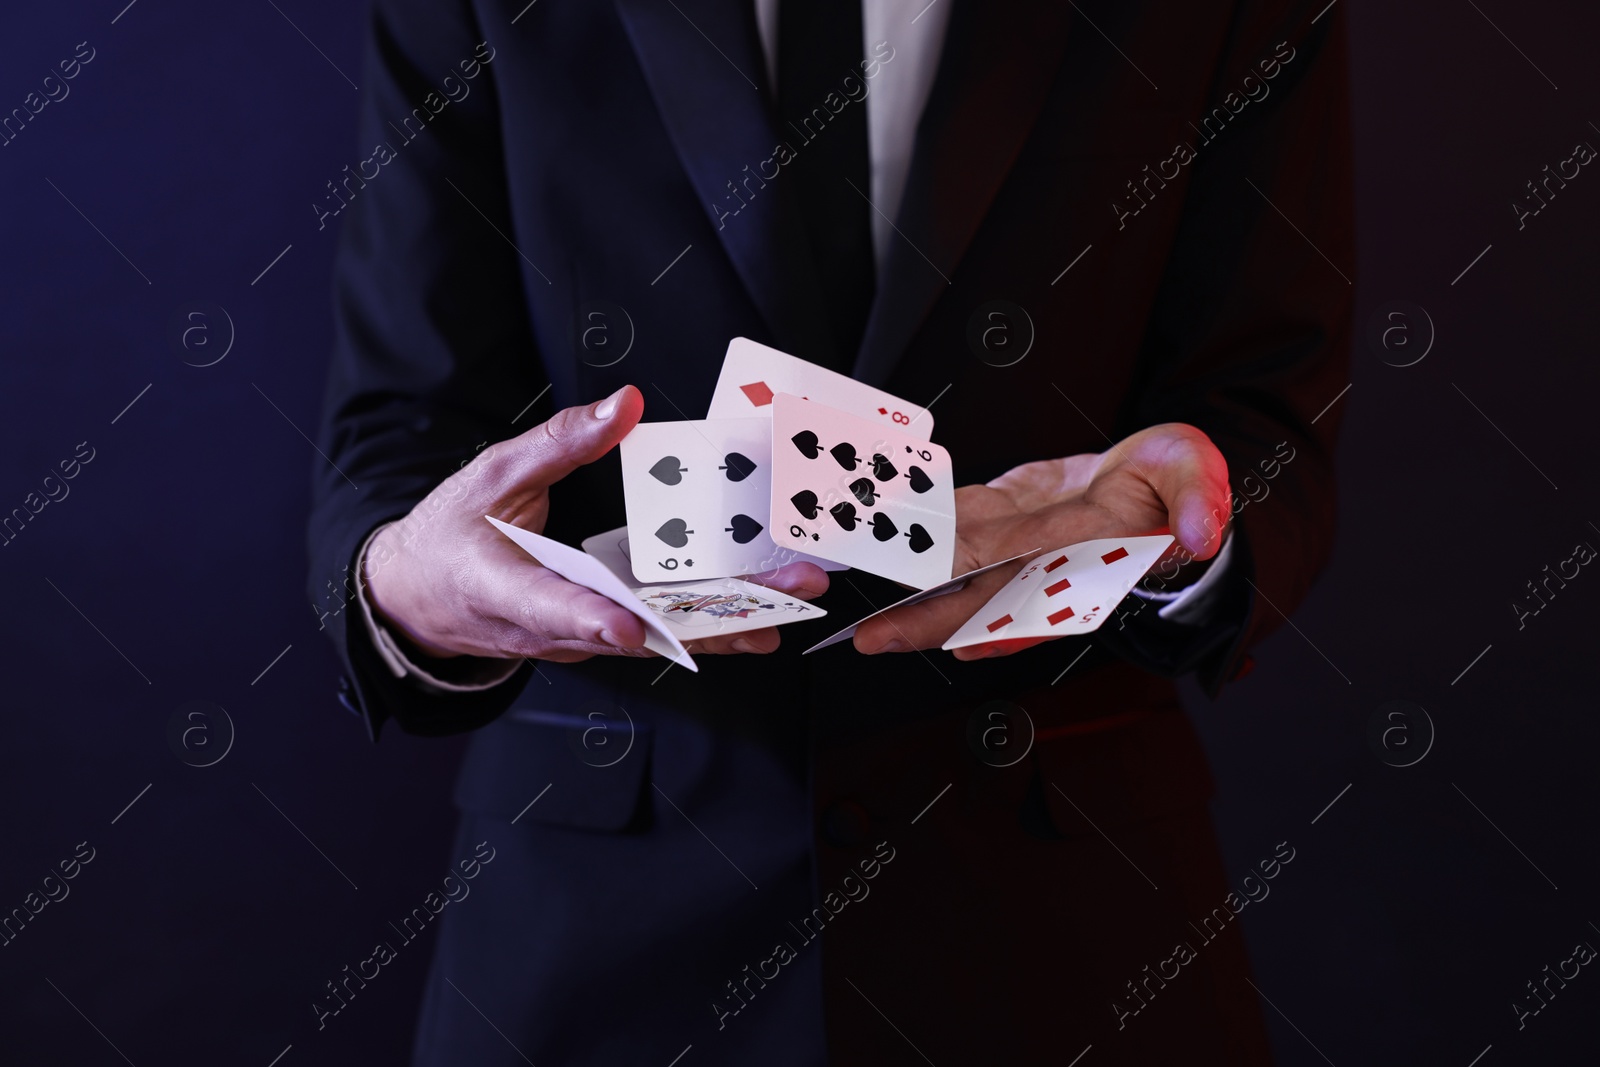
[741,645]
[894,645]
[609,638]
[608,406]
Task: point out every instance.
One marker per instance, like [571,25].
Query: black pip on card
[854,491]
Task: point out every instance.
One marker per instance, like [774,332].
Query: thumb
[1191,477]
[569,439]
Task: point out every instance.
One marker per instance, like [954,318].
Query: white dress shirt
[914,29]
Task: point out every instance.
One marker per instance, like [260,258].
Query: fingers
[998,648]
[801,580]
[560,445]
[1191,476]
[930,623]
[750,642]
[538,611]
[916,626]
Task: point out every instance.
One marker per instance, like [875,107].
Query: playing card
[612,549]
[584,570]
[954,584]
[701,609]
[753,374]
[1067,591]
[857,492]
[727,606]
[698,497]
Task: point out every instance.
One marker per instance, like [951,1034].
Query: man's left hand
[1168,478]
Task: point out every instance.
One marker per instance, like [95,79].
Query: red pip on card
[1066,591]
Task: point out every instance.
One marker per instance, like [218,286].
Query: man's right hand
[453,585]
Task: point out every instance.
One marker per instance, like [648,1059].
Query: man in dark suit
[1114,261]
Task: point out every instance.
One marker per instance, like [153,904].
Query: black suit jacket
[601,142]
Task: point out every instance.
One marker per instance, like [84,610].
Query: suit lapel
[703,62]
[997,65]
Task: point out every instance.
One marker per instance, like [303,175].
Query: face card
[586,571]
[729,606]
[1070,590]
[857,492]
[753,374]
[951,586]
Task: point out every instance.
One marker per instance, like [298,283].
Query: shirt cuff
[1192,605]
[479,673]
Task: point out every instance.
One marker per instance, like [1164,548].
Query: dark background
[196,141]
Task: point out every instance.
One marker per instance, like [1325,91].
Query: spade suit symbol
[921,540]
[738,466]
[883,527]
[807,443]
[744,529]
[667,471]
[845,454]
[864,491]
[920,482]
[805,502]
[844,514]
[674,532]
[882,469]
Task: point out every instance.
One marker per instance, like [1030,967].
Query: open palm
[1166,478]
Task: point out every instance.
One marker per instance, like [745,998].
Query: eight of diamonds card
[753,374]
[1068,591]
[857,492]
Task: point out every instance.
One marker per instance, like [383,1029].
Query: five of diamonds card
[1070,590]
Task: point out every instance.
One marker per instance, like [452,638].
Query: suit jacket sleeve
[433,356]
[1248,339]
